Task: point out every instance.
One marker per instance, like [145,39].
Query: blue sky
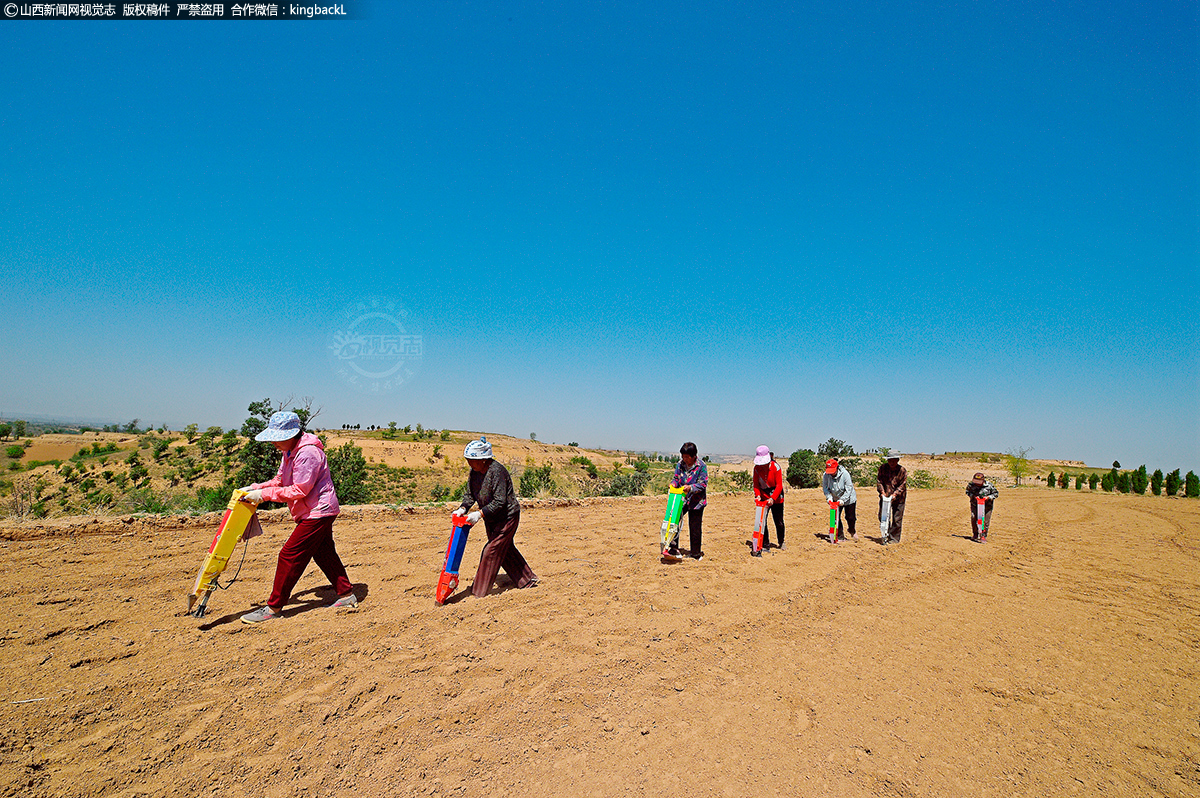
[964,226]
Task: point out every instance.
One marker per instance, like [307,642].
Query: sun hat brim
[270,435]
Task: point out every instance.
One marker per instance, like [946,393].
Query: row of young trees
[1135,481]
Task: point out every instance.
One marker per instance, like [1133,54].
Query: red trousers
[500,552]
[312,539]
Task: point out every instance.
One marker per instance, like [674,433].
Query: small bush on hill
[922,479]
[632,484]
[536,479]
[348,468]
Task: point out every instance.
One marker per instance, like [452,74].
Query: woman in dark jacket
[491,486]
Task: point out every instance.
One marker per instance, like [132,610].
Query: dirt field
[1061,658]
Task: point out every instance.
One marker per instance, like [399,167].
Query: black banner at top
[182,11]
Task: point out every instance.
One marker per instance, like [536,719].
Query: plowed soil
[1060,658]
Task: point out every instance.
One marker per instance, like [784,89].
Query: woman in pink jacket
[304,483]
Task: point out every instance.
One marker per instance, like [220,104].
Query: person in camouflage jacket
[978,487]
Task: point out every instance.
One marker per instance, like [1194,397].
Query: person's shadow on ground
[503,585]
[312,599]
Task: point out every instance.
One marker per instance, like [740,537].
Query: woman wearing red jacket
[768,486]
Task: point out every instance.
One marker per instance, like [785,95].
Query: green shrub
[1108,482]
[804,469]
[1191,484]
[631,484]
[587,464]
[536,479]
[741,480]
[1173,482]
[1156,482]
[348,468]
[1064,479]
[1050,480]
[15,452]
[212,499]
[1123,482]
[921,479]
[1079,482]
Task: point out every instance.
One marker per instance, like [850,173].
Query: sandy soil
[1058,659]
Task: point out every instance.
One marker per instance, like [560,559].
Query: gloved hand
[474,518]
[253,496]
[247,488]
[458,512]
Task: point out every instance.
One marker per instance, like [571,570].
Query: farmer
[768,487]
[892,483]
[838,487]
[304,483]
[692,475]
[977,487]
[491,486]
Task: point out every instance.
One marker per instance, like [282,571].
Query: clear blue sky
[969,226]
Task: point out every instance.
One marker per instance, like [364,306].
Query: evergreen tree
[1173,482]
[1093,480]
[1050,480]
[1079,482]
[1191,485]
[1108,482]
[1140,480]
[1156,482]
[1123,482]
[1064,479]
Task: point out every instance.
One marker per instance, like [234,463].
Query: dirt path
[1059,659]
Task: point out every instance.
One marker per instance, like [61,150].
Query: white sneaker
[345,602]
[259,615]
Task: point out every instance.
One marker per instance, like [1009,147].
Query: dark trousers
[850,511]
[695,530]
[501,552]
[896,522]
[312,539]
[777,516]
[987,516]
